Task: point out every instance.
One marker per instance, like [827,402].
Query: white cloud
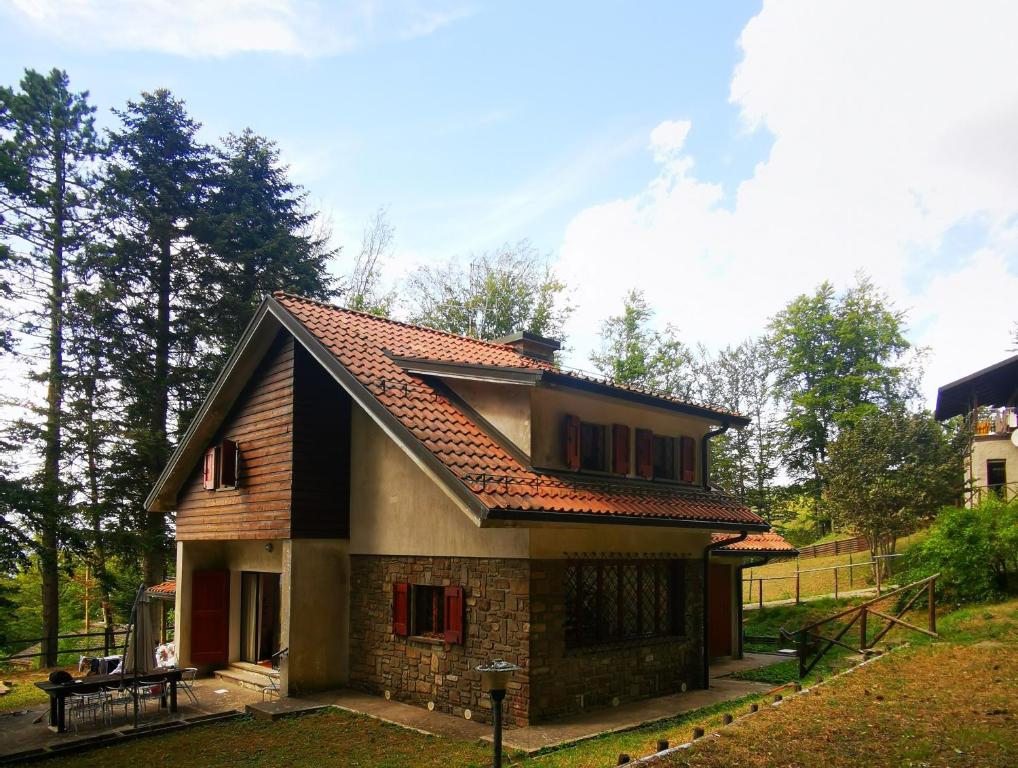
[893,123]
[225,27]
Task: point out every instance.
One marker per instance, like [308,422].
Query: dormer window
[594,447]
[664,457]
[222,466]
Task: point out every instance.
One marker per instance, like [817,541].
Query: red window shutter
[228,460]
[454,615]
[620,449]
[688,459]
[209,470]
[400,608]
[644,453]
[571,441]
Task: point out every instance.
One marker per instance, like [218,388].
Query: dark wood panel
[261,422]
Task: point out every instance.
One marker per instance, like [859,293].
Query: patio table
[58,692]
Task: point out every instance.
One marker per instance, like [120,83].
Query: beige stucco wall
[594,541]
[315,614]
[986,448]
[397,509]
[237,556]
[505,406]
[551,404]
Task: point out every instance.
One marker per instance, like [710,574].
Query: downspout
[706,599]
[738,573]
[704,453]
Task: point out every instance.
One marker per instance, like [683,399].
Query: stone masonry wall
[422,670]
[568,681]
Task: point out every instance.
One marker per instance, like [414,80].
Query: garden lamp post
[494,677]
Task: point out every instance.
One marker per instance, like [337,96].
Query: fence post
[801,648]
[796,582]
[761,593]
[862,629]
[931,607]
[850,569]
[876,565]
[835,582]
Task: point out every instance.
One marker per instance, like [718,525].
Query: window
[589,446]
[996,476]
[221,467]
[664,457]
[613,601]
[593,446]
[423,610]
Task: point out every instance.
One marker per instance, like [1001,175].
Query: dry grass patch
[23,693]
[936,705]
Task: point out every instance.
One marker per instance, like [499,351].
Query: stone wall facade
[515,610]
[566,681]
[423,670]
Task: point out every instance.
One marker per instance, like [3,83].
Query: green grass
[23,693]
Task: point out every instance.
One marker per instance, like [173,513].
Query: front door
[720,611]
[210,617]
[259,616]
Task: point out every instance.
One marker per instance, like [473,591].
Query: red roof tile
[366,345]
[756,542]
[166,588]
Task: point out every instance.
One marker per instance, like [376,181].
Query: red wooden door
[720,611]
[210,617]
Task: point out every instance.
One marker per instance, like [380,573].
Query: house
[383,506]
[987,399]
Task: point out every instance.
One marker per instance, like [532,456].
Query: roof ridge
[402,323]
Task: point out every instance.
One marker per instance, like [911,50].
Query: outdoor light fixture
[268,547]
[494,678]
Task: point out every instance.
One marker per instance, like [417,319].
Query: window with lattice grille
[610,601]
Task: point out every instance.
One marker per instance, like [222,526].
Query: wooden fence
[840,584]
[79,643]
[840,547]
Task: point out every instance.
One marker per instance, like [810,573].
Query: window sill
[426,639]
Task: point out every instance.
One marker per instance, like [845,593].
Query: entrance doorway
[259,617]
[719,589]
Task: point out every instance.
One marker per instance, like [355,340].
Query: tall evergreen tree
[160,284]
[48,146]
[260,236]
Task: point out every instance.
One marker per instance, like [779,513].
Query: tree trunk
[48,556]
[154,561]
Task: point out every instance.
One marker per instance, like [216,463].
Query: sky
[722,157]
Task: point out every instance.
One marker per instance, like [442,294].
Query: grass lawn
[24,694]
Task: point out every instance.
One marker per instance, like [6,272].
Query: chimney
[532,345]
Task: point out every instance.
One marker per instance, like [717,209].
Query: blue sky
[722,156]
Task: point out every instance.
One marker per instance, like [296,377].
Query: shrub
[973,549]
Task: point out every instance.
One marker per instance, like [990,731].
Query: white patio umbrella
[140,644]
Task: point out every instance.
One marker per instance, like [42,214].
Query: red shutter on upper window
[229,458]
[209,470]
[571,441]
[454,615]
[620,449]
[400,608]
[687,447]
[644,453]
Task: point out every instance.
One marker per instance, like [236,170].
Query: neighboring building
[987,399]
[393,506]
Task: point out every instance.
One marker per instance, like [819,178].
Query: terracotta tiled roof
[770,542]
[166,588]
[366,345]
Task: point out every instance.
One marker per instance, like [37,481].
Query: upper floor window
[221,468]
[594,446]
[604,448]
[996,476]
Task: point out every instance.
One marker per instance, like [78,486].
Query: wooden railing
[839,584]
[109,643]
[811,644]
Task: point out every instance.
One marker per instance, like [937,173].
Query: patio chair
[186,683]
[272,689]
[88,707]
[119,697]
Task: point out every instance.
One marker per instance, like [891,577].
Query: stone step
[245,677]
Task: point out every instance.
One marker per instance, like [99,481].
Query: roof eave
[543,516]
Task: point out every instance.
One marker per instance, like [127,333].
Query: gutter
[738,571]
[534,516]
[706,600]
[704,455]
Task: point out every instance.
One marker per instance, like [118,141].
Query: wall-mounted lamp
[268,547]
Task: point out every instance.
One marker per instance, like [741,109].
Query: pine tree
[159,283]
[260,236]
[47,145]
